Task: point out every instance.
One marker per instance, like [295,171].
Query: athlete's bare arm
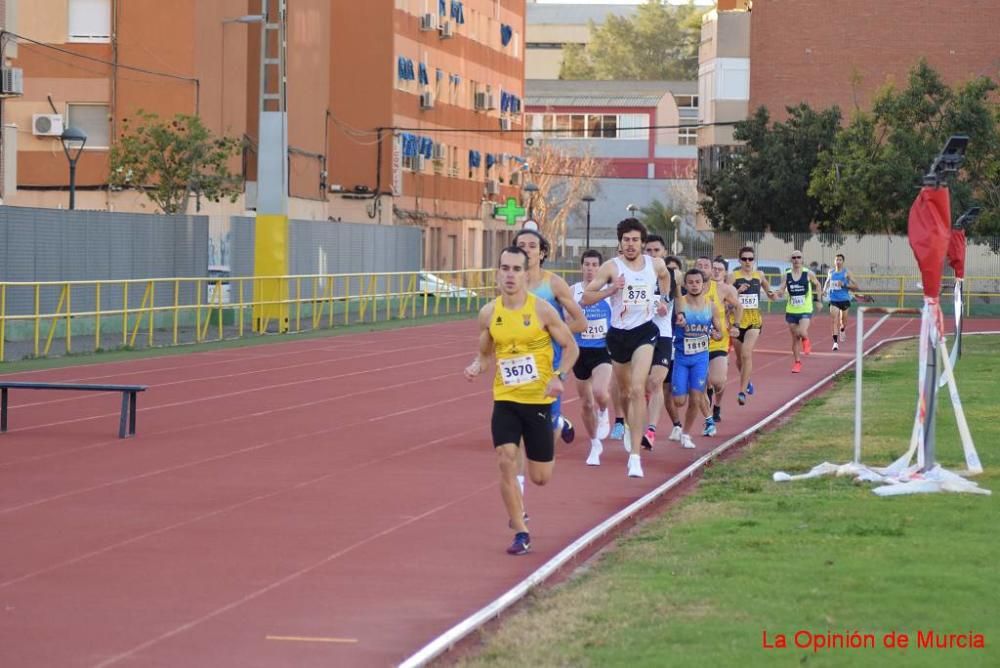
[732,298]
[485,354]
[716,321]
[575,319]
[560,333]
[607,282]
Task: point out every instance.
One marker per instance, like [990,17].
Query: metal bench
[128,399]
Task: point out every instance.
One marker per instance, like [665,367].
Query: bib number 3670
[518,370]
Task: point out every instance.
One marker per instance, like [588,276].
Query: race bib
[636,294]
[798,300]
[750,300]
[836,285]
[518,370]
[695,345]
[596,330]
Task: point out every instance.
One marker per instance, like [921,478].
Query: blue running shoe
[750,389]
[521,544]
[709,427]
[568,432]
[618,431]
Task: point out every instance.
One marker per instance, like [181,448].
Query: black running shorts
[590,359]
[513,422]
[664,351]
[843,306]
[622,343]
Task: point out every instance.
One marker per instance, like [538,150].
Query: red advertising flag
[929,231]
[956,252]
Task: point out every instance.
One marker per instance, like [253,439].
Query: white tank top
[635,304]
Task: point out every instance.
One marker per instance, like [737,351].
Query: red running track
[307,503]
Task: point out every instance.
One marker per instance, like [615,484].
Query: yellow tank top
[713,297]
[524,352]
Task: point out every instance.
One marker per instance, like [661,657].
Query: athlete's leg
[746,357]
[718,373]
[600,385]
[508,457]
[584,390]
[638,373]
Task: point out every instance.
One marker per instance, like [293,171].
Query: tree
[764,186]
[562,179]
[659,43]
[868,178]
[170,160]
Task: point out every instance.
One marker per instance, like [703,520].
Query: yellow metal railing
[172,311]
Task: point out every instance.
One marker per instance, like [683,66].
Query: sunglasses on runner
[746,259]
[796,257]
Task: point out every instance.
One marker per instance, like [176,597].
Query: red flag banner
[956,252]
[929,231]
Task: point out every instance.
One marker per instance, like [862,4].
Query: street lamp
[631,208]
[73,141]
[531,189]
[676,247]
[588,199]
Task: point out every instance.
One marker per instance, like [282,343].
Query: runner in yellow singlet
[748,283]
[517,329]
[728,300]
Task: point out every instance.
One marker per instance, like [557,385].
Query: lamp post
[73,141]
[245,19]
[676,247]
[531,189]
[588,199]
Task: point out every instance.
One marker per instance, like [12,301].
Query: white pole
[859,357]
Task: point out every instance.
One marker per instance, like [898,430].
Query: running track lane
[321,502]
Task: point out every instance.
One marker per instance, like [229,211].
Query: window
[686,101]
[93,119]
[687,136]
[633,126]
[89,21]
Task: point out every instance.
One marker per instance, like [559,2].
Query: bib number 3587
[518,370]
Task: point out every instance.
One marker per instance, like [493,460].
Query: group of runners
[635,326]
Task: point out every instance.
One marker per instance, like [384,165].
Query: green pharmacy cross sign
[511,211]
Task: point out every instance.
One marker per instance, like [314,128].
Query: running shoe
[807,346]
[742,398]
[797,367]
[521,544]
[675,433]
[750,388]
[568,433]
[603,424]
[618,431]
[836,346]
[648,438]
[594,458]
[709,427]
[634,466]
[687,443]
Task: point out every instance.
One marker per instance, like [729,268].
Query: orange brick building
[826,52]
[366,83]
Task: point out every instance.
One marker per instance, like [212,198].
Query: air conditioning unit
[491,101]
[447,31]
[492,187]
[439,153]
[480,101]
[46,125]
[426,101]
[506,124]
[11,81]
[418,162]
[429,22]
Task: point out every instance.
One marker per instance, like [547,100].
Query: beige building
[552,26]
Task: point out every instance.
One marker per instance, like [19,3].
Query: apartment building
[398,111]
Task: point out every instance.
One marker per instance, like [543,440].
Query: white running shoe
[634,466]
[836,346]
[594,458]
[675,434]
[686,442]
[627,439]
[603,424]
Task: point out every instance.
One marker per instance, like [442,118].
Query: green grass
[250,339]
[699,585]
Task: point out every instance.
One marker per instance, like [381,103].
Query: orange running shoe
[797,367]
